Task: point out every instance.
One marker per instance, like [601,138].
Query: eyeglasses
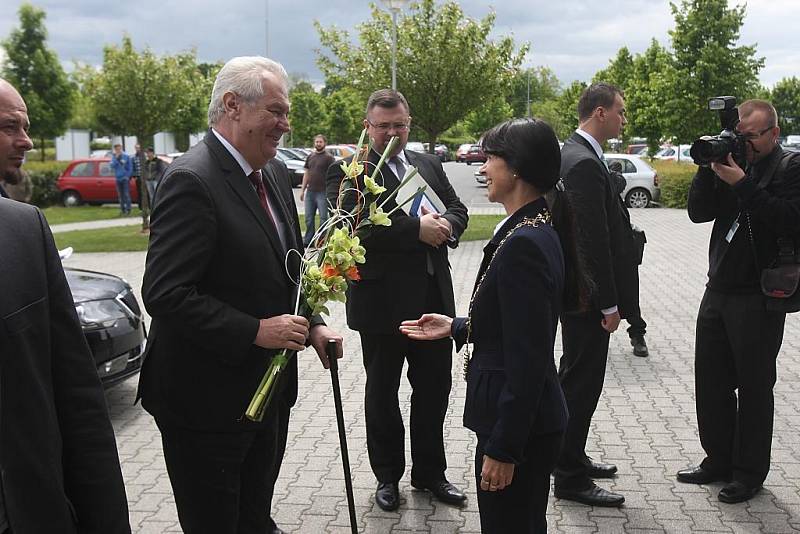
[754,136]
[387,126]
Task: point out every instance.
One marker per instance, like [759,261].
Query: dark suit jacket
[602,228]
[58,456]
[394,278]
[628,267]
[513,390]
[215,266]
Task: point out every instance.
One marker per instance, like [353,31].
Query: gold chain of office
[541,218]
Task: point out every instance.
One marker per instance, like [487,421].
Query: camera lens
[710,148]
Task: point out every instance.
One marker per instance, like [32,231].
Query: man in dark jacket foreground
[58,457]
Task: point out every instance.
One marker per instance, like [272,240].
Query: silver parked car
[642,181]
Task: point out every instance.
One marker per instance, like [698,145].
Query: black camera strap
[786,247]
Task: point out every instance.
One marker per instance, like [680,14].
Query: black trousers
[581,371]
[281,434]
[429,373]
[223,482]
[632,311]
[736,350]
[521,506]
[638,326]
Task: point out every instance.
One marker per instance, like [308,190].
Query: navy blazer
[513,391]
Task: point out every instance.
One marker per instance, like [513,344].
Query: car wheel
[71,199]
[638,198]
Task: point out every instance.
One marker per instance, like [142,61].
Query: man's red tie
[258,183]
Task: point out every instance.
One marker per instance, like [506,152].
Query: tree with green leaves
[645,95]
[619,71]
[494,111]
[83,114]
[446,62]
[566,108]
[142,94]
[345,110]
[540,84]
[309,116]
[785,96]
[707,63]
[190,112]
[35,71]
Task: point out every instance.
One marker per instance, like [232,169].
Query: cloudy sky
[571,37]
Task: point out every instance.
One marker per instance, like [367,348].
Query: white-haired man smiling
[221,302]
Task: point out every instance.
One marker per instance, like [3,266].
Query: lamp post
[529,94]
[266,26]
[395,6]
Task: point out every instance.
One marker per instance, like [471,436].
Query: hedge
[43,178]
[674,180]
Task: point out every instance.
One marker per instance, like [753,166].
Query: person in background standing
[312,190]
[121,164]
[137,165]
[152,171]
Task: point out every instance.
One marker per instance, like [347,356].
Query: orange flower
[352,274]
[329,271]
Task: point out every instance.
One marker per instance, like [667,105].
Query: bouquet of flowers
[326,270]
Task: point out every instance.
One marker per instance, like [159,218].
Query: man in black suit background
[585,335]
[222,305]
[58,457]
[406,274]
[629,288]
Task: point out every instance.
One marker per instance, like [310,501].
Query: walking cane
[337,400]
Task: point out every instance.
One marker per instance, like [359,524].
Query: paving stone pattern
[645,423]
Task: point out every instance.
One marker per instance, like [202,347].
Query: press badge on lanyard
[732,231]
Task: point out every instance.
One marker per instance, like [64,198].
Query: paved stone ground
[645,423]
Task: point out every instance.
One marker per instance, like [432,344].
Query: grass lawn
[114,239]
[129,238]
[61,215]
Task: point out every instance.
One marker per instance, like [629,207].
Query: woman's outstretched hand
[428,327]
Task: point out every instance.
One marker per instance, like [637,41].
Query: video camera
[711,148]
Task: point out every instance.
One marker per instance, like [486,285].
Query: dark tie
[258,183]
[401,169]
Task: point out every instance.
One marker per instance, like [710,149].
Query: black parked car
[112,323]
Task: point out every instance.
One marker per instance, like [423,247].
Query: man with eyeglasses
[737,338]
[406,274]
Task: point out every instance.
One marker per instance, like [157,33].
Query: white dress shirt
[280,224]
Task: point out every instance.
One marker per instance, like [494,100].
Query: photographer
[738,339]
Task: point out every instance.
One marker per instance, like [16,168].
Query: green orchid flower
[372,186]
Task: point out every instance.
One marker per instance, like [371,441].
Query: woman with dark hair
[530,273]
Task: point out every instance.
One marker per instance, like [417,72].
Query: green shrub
[674,179]
[43,177]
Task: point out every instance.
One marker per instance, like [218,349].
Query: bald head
[14,140]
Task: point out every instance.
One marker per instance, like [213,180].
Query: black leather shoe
[598,470]
[639,347]
[388,496]
[442,490]
[277,530]
[593,496]
[700,475]
[737,492]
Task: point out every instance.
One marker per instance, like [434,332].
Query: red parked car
[91,181]
[473,155]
